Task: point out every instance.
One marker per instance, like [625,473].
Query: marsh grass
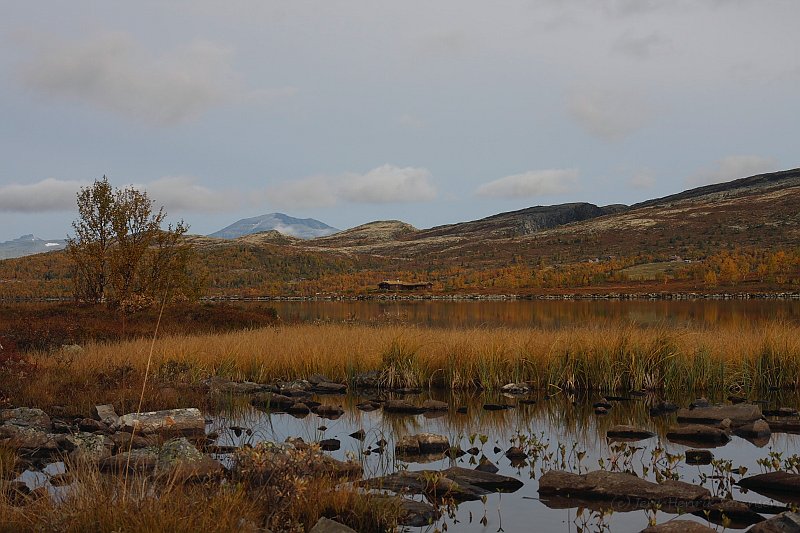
[293,500]
[586,358]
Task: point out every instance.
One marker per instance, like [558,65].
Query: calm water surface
[545,314]
[559,420]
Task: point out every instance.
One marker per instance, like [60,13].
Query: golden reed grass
[603,357]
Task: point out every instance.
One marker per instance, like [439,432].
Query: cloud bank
[381,185]
[530,184]
[608,115]
[732,167]
[175,193]
[46,195]
[112,71]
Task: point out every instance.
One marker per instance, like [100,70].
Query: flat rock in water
[699,435]
[458,483]
[358,435]
[269,400]
[298,408]
[781,411]
[604,485]
[785,426]
[368,406]
[187,422]
[402,407]
[417,514]
[629,433]
[421,443]
[754,430]
[515,388]
[330,445]
[435,405]
[679,526]
[484,480]
[515,452]
[772,481]
[662,408]
[738,414]
[325,525]
[485,465]
[327,387]
[496,407]
[699,457]
[787,522]
[331,412]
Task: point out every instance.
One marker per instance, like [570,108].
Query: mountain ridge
[29,244]
[303,228]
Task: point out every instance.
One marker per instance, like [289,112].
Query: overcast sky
[431,112]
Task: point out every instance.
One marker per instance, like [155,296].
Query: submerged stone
[738,414]
[485,465]
[754,430]
[605,485]
[331,412]
[699,457]
[699,435]
[679,526]
[422,443]
[402,407]
[772,481]
[330,445]
[787,522]
[629,433]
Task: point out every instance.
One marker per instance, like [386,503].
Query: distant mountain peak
[29,244]
[302,228]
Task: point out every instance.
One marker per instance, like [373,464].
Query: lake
[542,313]
[559,420]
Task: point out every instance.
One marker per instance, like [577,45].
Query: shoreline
[611,296]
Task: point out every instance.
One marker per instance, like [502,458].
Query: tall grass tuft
[602,358]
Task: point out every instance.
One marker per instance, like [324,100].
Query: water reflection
[563,430]
[543,314]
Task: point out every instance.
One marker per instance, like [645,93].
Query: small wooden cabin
[397,285]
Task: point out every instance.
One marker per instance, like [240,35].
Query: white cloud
[314,191]
[643,179]
[387,184]
[733,167]
[611,116]
[530,184]
[381,185]
[114,72]
[175,193]
[46,195]
[184,193]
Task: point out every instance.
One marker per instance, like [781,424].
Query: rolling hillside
[752,223]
